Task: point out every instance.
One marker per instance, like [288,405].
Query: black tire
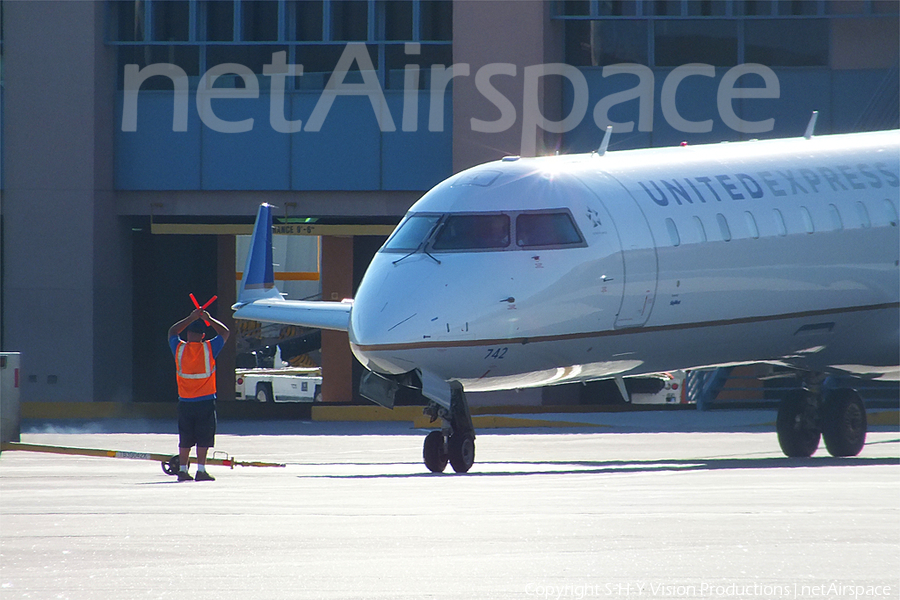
[433,452]
[844,423]
[462,452]
[171,466]
[263,393]
[798,430]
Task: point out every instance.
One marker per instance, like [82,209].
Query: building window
[395,20]
[436,20]
[129,21]
[756,8]
[798,8]
[723,33]
[787,42]
[171,21]
[575,8]
[259,21]
[198,34]
[349,21]
[596,43]
[308,16]
[219,20]
[666,8]
[707,8]
[707,41]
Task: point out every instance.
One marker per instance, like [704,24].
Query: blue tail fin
[259,278]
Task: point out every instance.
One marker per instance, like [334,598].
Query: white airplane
[538,271]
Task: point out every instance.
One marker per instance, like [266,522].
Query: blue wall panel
[695,100]
[420,159]
[255,160]
[587,136]
[803,90]
[851,92]
[349,153]
[154,157]
[345,154]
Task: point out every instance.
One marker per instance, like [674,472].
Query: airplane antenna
[620,383]
[605,143]
[812,125]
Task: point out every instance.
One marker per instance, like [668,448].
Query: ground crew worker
[195,372]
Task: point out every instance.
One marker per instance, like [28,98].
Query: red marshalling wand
[197,305]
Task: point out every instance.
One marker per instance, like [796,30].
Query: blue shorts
[197,424]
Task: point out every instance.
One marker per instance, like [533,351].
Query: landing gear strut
[837,416]
[455,442]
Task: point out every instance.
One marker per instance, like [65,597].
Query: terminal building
[140,136]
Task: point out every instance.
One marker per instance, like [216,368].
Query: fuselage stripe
[624,331]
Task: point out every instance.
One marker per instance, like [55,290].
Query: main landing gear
[837,416]
[455,442]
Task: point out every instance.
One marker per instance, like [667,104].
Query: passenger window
[473,232]
[751,225]
[412,233]
[891,211]
[673,232]
[779,222]
[700,229]
[836,223]
[724,229]
[546,229]
[863,214]
[807,220]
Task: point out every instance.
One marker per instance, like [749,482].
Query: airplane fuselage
[530,272]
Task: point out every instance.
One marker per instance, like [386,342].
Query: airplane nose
[390,300]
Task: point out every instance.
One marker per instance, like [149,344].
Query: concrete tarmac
[545,513]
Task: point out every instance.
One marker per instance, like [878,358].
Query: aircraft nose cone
[375,305]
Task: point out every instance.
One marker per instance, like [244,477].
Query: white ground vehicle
[291,384]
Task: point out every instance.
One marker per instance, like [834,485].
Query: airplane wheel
[844,424]
[462,452]
[433,452]
[798,433]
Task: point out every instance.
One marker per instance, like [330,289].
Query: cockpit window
[473,232]
[412,233]
[546,229]
[467,232]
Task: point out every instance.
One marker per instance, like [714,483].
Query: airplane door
[638,249]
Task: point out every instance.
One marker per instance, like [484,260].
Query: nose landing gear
[436,452]
[455,442]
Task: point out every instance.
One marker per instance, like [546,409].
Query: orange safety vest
[195,368]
